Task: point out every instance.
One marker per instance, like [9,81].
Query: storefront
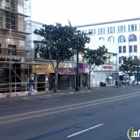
[66,78]
[83,74]
[104,73]
[44,76]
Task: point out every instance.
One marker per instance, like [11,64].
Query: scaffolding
[15,25]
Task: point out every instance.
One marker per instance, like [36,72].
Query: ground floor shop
[44,76]
[105,73]
[108,77]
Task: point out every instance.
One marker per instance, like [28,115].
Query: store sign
[47,74]
[107,67]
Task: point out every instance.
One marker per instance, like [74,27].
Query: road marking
[85,130]
[60,109]
[75,105]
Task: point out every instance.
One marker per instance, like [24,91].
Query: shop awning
[66,71]
[82,67]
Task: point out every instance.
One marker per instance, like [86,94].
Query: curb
[26,93]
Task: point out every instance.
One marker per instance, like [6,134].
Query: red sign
[107,67]
[48,74]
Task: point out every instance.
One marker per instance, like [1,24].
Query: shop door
[40,82]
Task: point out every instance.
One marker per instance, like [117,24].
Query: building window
[120,49]
[101,38]
[132,27]
[121,29]
[111,30]
[92,31]
[130,48]
[121,39]
[120,59]
[132,38]
[111,39]
[101,31]
[10,18]
[135,48]
[135,57]
[12,50]
[84,31]
[124,49]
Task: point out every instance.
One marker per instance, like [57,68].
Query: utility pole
[77,72]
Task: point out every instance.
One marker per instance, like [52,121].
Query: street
[101,115]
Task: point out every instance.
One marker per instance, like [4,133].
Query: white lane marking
[77,133]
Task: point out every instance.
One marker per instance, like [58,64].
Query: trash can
[102,84]
[133,83]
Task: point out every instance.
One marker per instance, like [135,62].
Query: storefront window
[109,78]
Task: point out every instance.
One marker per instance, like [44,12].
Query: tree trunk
[89,80]
[56,78]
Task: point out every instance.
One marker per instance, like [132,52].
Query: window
[124,49]
[130,48]
[101,38]
[111,39]
[121,29]
[132,27]
[120,59]
[130,57]
[135,57]
[83,31]
[101,31]
[12,49]
[10,18]
[132,38]
[111,30]
[93,31]
[121,39]
[135,48]
[120,49]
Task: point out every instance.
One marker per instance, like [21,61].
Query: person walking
[31,85]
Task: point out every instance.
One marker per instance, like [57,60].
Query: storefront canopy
[66,71]
[82,67]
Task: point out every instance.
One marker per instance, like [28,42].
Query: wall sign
[107,67]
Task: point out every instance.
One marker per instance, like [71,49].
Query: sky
[81,12]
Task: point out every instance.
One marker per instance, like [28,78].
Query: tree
[95,58]
[61,42]
[129,64]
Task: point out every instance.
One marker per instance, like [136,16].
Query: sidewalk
[60,92]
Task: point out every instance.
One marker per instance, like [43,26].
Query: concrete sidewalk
[59,92]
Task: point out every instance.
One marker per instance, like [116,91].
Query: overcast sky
[81,12]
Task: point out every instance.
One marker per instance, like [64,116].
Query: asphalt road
[101,115]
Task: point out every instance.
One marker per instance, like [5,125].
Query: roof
[108,22]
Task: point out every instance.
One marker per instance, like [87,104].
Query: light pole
[137,75]
[77,71]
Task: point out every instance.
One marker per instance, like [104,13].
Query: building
[14,26]
[109,72]
[41,67]
[125,33]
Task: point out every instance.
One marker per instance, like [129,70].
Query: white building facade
[108,72]
[125,33]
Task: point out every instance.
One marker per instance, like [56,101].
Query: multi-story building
[14,26]
[125,33]
[41,67]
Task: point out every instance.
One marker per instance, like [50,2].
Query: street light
[137,75]
[77,71]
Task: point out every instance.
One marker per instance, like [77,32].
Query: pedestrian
[31,85]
